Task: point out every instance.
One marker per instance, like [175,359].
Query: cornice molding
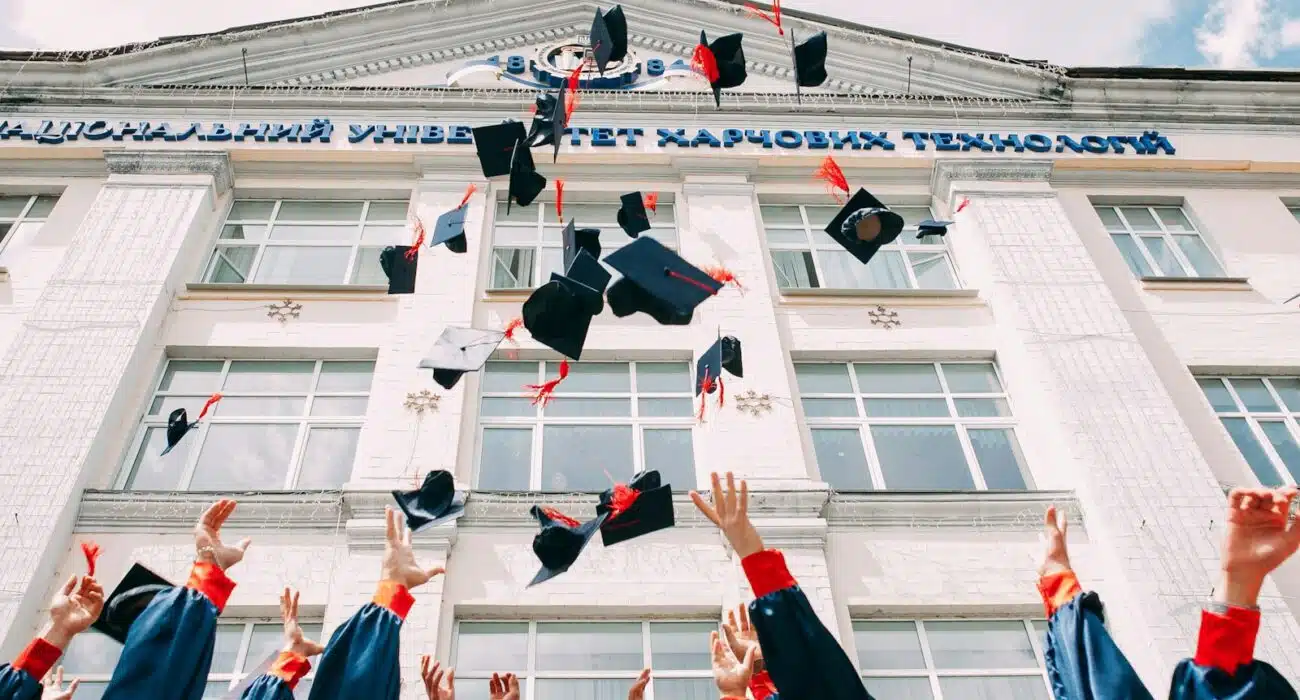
[949,172]
[996,510]
[171,512]
[121,161]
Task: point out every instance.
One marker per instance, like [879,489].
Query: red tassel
[559,517]
[469,192]
[775,20]
[652,202]
[544,392]
[91,550]
[724,276]
[211,400]
[706,385]
[722,393]
[964,203]
[419,238]
[513,325]
[705,63]
[571,94]
[679,276]
[623,498]
[834,177]
[559,198]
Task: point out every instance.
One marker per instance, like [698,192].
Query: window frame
[812,247]
[539,420]
[1289,418]
[530,674]
[24,216]
[540,243]
[1295,211]
[962,424]
[1169,237]
[305,422]
[272,220]
[934,674]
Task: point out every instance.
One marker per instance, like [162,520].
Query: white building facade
[1107,326]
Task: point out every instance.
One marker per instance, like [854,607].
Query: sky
[1191,33]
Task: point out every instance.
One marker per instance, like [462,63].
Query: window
[586,660]
[608,420]
[1295,211]
[527,245]
[805,257]
[923,427]
[953,659]
[1159,242]
[240,647]
[307,242]
[20,220]
[281,425]
[1261,415]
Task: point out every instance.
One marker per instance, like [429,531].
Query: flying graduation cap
[809,62]
[550,121]
[128,601]
[658,282]
[864,225]
[930,227]
[608,37]
[460,350]
[525,182]
[580,239]
[560,541]
[632,216]
[724,354]
[495,146]
[557,315]
[399,266]
[178,423]
[450,227]
[436,501]
[638,508]
[722,63]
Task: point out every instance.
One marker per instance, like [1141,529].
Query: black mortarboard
[128,601]
[587,279]
[930,227]
[609,37]
[450,229]
[560,541]
[525,182]
[460,350]
[557,317]
[673,285]
[810,60]
[550,120]
[639,508]
[178,423]
[729,57]
[632,215]
[399,268]
[867,213]
[436,501]
[576,239]
[626,298]
[723,354]
[495,144]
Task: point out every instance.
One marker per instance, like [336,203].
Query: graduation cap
[495,145]
[632,215]
[128,601]
[400,268]
[450,227]
[557,317]
[658,282]
[550,121]
[436,501]
[721,62]
[460,350]
[864,225]
[635,509]
[930,227]
[178,423]
[587,279]
[809,61]
[560,541]
[525,182]
[580,239]
[608,37]
[722,355]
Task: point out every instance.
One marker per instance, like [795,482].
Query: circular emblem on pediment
[562,59]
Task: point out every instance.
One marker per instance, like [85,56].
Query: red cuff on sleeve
[767,572]
[38,658]
[761,685]
[395,597]
[1227,641]
[732,697]
[208,578]
[1058,589]
[290,667]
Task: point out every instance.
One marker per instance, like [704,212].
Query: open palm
[1260,533]
[76,606]
[399,557]
[53,686]
[729,673]
[207,536]
[295,640]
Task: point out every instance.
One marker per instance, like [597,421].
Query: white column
[89,339]
[1151,502]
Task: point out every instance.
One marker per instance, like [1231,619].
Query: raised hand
[439,684]
[741,636]
[74,608]
[53,686]
[503,686]
[399,559]
[294,639]
[730,512]
[637,691]
[207,537]
[1261,535]
[729,673]
[1056,555]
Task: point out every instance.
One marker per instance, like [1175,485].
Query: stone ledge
[966,510]
[209,290]
[173,512]
[893,297]
[122,161]
[1196,284]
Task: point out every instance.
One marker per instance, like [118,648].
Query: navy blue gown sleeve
[803,659]
[169,648]
[361,659]
[21,680]
[278,682]
[1225,667]
[1083,662]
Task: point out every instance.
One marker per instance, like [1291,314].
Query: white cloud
[1021,28]
[1242,33]
[1289,37]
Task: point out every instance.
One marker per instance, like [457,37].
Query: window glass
[21,220]
[1262,416]
[1159,241]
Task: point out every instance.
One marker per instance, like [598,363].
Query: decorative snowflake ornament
[422,401]
[753,403]
[880,316]
[283,311]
